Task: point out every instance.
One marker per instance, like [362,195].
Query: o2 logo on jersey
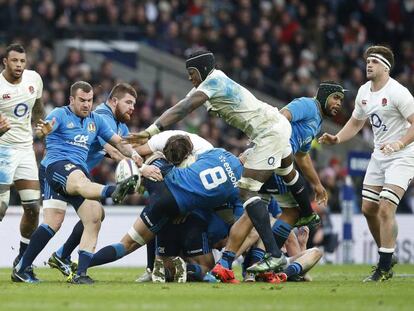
[21,110]
[271,161]
[377,122]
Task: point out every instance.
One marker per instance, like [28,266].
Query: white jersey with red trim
[387,110]
[16,103]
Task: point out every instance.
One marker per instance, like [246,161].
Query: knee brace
[250,184]
[136,236]
[370,195]
[29,196]
[390,195]
[4,203]
[283,171]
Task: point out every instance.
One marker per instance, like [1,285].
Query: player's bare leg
[29,192]
[370,208]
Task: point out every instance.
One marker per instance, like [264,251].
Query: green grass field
[334,288]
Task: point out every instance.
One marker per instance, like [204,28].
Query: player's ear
[71,99]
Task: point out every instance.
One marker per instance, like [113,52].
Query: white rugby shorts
[16,164]
[270,147]
[395,169]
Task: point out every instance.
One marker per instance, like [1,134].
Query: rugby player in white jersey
[262,123]
[390,108]
[20,102]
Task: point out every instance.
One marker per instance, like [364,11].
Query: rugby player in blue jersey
[209,182]
[116,111]
[70,131]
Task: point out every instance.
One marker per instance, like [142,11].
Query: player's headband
[381,59]
[203,64]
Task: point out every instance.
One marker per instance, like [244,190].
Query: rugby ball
[125,169]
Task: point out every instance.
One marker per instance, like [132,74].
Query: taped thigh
[136,236]
[390,195]
[370,195]
[53,203]
[283,171]
[250,184]
[29,196]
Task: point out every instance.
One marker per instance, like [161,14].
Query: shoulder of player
[31,74]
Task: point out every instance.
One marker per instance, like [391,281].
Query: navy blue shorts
[53,182]
[186,239]
[162,206]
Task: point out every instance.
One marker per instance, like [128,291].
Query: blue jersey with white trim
[72,136]
[96,150]
[208,183]
[306,123]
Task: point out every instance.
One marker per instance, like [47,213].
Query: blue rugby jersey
[72,136]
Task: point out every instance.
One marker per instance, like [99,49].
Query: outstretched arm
[168,118]
[351,128]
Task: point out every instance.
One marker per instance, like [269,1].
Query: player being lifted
[266,128]
[390,108]
[20,102]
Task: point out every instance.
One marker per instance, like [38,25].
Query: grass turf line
[334,288]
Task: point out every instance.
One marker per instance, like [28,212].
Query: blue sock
[38,241]
[257,255]
[281,231]
[247,262]
[72,242]
[227,259]
[85,258]
[22,249]
[293,269]
[385,259]
[108,254]
[107,191]
[194,272]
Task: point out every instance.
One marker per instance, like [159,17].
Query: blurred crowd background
[281,47]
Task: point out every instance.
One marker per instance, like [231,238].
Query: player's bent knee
[390,196]
[4,203]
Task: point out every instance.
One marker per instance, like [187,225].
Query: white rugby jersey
[16,103]
[387,110]
[237,106]
[158,142]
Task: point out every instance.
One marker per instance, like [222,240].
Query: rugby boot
[65,266]
[312,221]
[26,276]
[223,274]
[379,275]
[268,263]
[145,277]
[180,266]
[123,188]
